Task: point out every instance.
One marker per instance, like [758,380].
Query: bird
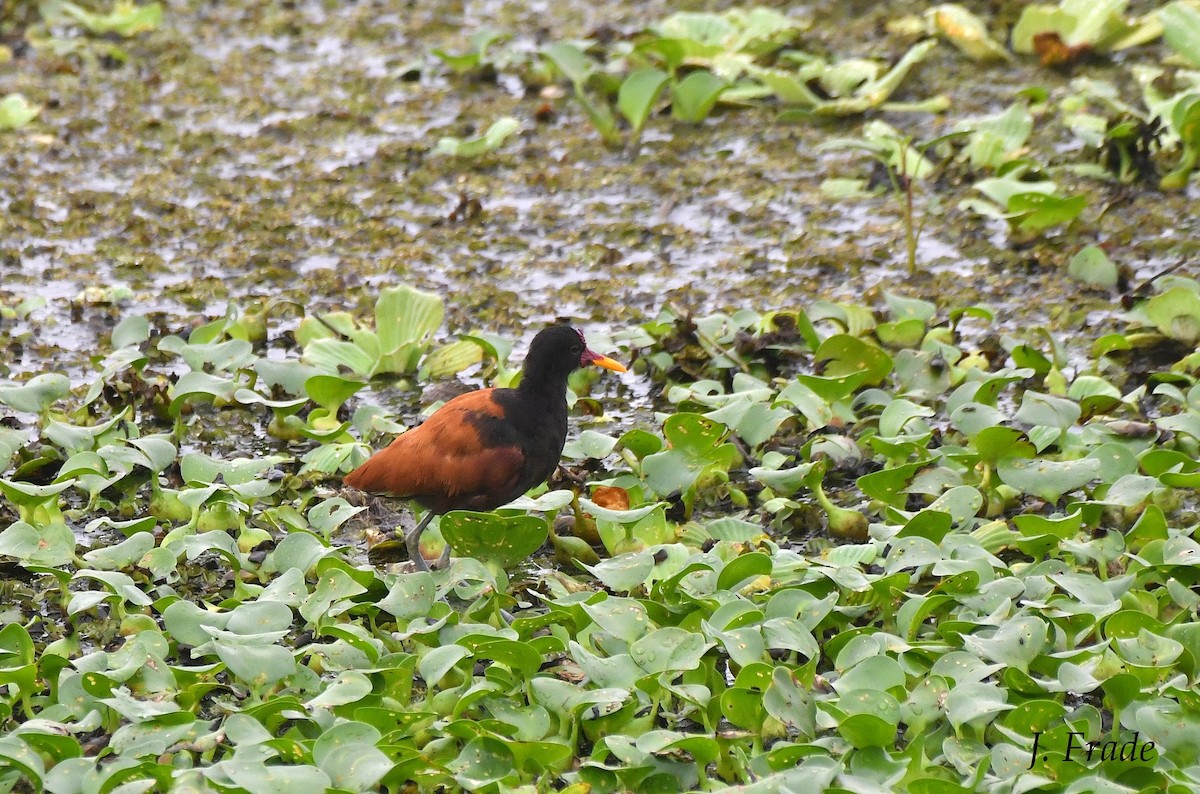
[484,448]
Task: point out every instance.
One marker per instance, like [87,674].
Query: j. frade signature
[1131,750]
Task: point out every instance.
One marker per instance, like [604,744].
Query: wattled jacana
[487,447]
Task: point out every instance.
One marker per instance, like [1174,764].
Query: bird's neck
[549,392]
[540,412]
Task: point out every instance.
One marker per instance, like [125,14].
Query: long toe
[443,560]
[414,552]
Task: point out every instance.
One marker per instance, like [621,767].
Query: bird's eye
[577,350]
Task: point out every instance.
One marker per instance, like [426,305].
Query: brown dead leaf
[1053,51]
[611,497]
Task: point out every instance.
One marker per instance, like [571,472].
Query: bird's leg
[575,480]
[413,541]
[444,560]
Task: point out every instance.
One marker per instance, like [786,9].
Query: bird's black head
[556,352]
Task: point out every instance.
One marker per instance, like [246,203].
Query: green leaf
[331,595]
[50,545]
[290,375]
[1174,728]
[571,61]
[438,661]
[867,730]
[122,555]
[902,308]
[1036,212]
[694,97]
[848,355]
[888,485]
[260,778]
[1181,29]
[505,540]
[347,752]
[1176,313]
[787,87]
[1046,410]
[590,444]
[975,703]
[37,394]
[451,359]
[638,94]
[641,443]
[625,572]
[669,649]
[132,330]
[1116,461]
[871,93]
[330,514]
[1002,189]
[624,618]
[405,320]
[1017,643]
[16,754]
[495,136]
[872,673]
[16,111]
[619,516]
[520,657]
[1099,24]
[194,385]
[695,448]
[1092,266]
[332,355]
[154,736]
[483,761]
[254,663]
[784,482]
[790,703]
[331,391]
[1048,479]
[973,418]
[226,356]
[11,440]
[201,469]
[739,571]
[754,422]
[350,686]
[996,140]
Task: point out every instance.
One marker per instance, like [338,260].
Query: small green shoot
[501,130]
[906,165]
[578,68]
[476,56]
[16,111]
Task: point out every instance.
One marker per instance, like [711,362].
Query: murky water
[249,149]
